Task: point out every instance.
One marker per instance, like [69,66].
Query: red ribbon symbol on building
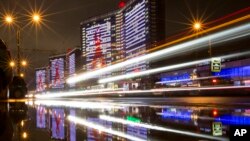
[98,61]
[40,82]
[58,121]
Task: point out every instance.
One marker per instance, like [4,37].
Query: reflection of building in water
[58,131]
[72,127]
[202,118]
[94,135]
[41,117]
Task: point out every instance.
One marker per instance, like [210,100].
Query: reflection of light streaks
[77,104]
[48,96]
[218,37]
[102,128]
[72,93]
[166,68]
[155,127]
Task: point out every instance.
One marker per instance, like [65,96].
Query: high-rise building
[126,33]
[73,63]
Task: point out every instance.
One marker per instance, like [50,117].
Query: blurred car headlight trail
[78,104]
[219,37]
[167,68]
[101,128]
[154,127]
[42,99]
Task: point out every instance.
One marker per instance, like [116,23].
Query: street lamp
[197,26]
[9,20]
[36,18]
[24,63]
[12,64]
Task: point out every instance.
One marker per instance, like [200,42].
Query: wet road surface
[142,119]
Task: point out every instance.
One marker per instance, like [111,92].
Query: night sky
[61,23]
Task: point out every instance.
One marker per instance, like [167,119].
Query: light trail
[201,32]
[54,103]
[219,37]
[155,127]
[78,104]
[182,89]
[166,68]
[101,128]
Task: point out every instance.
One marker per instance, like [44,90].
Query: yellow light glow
[197,26]
[22,75]
[36,18]
[8,19]
[12,64]
[25,135]
[24,63]
[22,123]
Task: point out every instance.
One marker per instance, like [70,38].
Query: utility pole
[18,52]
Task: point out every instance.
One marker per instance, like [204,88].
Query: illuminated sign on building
[96,42]
[40,80]
[57,68]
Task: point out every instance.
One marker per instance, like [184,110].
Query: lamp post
[197,26]
[9,20]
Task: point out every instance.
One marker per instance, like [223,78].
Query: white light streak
[78,104]
[218,37]
[163,69]
[155,127]
[102,128]
[73,93]
[57,95]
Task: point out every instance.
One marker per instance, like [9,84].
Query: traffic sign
[216,64]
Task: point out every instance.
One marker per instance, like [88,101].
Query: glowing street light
[21,75]
[36,18]
[197,26]
[24,63]
[12,64]
[8,19]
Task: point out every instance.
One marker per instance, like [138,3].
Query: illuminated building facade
[97,40]
[40,79]
[57,71]
[123,34]
[73,63]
